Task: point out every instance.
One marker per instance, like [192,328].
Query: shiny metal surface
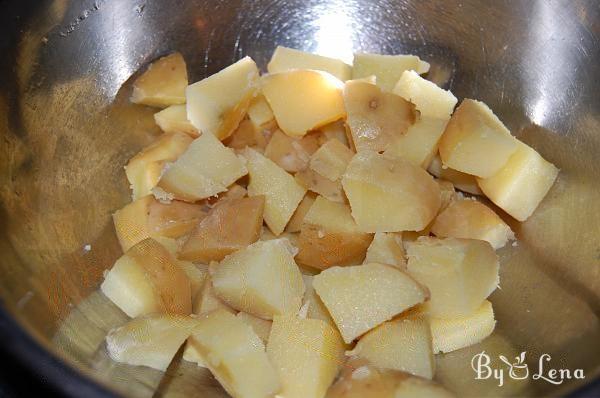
[67,130]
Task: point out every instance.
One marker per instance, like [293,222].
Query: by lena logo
[519,370]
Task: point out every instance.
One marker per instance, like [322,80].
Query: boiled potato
[316,308]
[455,333]
[235,355]
[389,195]
[216,105]
[329,236]
[362,297]
[315,182]
[285,59]
[291,154]
[519,187]
[335,130]
[261,279]
[261,327]
[470,219]
[228,227]
[402,344]
[475,141]
[208,301]
[331,160]
[297,219]
[387,68]
[448,194]
[246,135]
[459,273]
[197,275]
[303,100]
[205,169]
[131,222]
[462,181]
[163,83]
[174,120]
[259,112]
[174,219]
[307,354]
[387,248]
[430,100]
[282,193]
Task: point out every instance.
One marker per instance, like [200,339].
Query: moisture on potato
[387,248]
[462,181]
[289,153]
[386,68]
[331,160]
[174,120]
[286,59]
[163,83]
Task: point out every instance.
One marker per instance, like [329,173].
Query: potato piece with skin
[261,327]
[470,219]
[217,104]
[291,154]
[131,222]
[352,293]
[174,219]
[303,100]
[174,120]
[386,248]
[286,59]
[459,273]
[389,195]
[462,181]
[475,140]
[335,130]
[315,182]
[316,308]
[429,99]
[282,193]
[519,187]
[297,219]
[163,83]
[307,354]
[387,68]
[260,112]
[228,227]
[402,344]
[331,159]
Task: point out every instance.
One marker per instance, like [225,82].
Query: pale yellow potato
[217,104]
[174,219]
[316,308]
[298,218]
[208,301]
[372,79]
[361,297]
[387,248]
[205,169]
[459,273]
[289,153]
[335,130]
[475,141]
[315,182]
[307,354]
[462,181]
[131,222]
[144,170]
[329,236]
[448,194]
[259,112]
[197,275]
[402,344]
[470,219]
[245,135]
[150,341]
[386,68]
[376,118]
[519,187]
[261,279]
[163,83]
[430,100]
[455,333]
[389,195]
[235,355]
[331,159]
[174,120]
[261,327]
[285,59]
[282,193]
[303,100]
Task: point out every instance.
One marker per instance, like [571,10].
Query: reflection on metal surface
[334,33]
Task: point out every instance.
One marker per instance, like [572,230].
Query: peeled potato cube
[291,154]
[351,295]
[462,181]
[297,219]
[386,248]
[455,333]
[303,100]
[402,344]
[163,83]
[260,112]
[205,169]
[331,159]
[261,327]
[429,99]
[131,222]
[285,59]
[315,182]
[217,104]
[174,120]
[235,355]
[316,308]
[519,187]
[175,219]
[389,195]
[261,279]
[228,227]
[307,354]
[476,141]
[470,219]
[282,193]
[386,68]
[150,341]
[459,273]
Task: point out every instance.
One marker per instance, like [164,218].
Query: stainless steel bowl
[67,130]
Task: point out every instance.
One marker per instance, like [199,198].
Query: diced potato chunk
[246,135]
[291,154]
[402,344]
[208,301]
[235,355]
[387,248]
[315,182]
[174,120]
[519,187]
[329,236]
[150,341]
[282,193]
[131,222]
[216,105]
[228,227]
[316,308]
[261,327]
[163,83]
[387,68]
[298,218]
[470,219]
[362,297]
[331,159]
[261,279]
[285,59]
[303,100]
[462,181]
[197,275]
[429,99]
[448,194]
[335,130]
[307,354]
[174,219]
[475,140]
[206,168]
[455,333]
[459,273]
[389,195]
[260,112]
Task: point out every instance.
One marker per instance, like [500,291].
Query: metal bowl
[67,129]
